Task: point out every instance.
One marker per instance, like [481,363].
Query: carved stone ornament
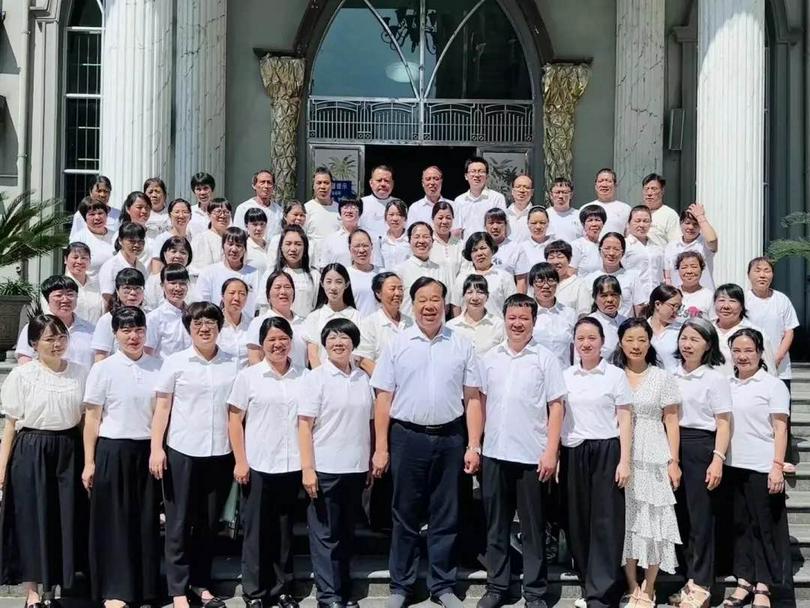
[563,85]
[283,79]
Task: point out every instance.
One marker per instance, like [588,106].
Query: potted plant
[27,230]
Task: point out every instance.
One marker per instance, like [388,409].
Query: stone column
[283,79]
[200,92]
[639,117]
[563,85]
[730,129]
[136,91]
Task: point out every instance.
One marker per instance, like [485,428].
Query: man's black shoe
[287,601]
[536,604]
[491,600]
[334,604]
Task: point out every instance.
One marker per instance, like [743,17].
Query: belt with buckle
[431,429]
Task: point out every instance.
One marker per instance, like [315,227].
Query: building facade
[713,94]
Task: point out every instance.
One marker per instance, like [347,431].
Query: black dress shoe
[351,604]
[491,599]
[334,604]
[287,601]
[253,603]
[536,604]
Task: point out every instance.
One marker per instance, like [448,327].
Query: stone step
[798,506]
[801,480]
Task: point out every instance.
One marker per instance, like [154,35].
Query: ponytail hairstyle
[662,293]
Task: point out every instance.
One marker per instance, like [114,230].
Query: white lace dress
[651,529]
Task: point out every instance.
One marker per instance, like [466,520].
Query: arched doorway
[419,82]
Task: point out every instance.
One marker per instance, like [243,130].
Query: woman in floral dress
[651,528]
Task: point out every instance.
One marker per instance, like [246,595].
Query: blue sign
[342,188]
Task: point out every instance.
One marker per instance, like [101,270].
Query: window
[82,101]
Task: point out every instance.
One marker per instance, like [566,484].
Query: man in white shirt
[618,213]
[518,212]
[471,206]
[522,389]
[665,226]
[373,219]
[263,186]
[427,390]
[562,218]
[422,210]
[202,185]
[61,294]
[322,212]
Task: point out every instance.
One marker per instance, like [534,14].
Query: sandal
[676,598]
[632,602]
[736,602]
[696,598]
[765,593]
[642,601]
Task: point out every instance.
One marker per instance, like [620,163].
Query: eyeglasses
[546,281]
[220,211]
[131,289]
[476,172]
[200,323]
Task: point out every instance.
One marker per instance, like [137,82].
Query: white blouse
[298,354]
[554,329]
[42,399]
[318,318]
[361,289]
[501,285]
[376,331]
[485,334]
[705,393]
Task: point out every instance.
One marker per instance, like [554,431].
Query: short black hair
[227,282]
[521,300]
[473,242]
[415,225]
[424,282]
[88,204]
[606,170]
[589,321]
[38,325]
[496,214]
[685,255]
[103,180]
[661,293]
[154,181]
[589,211]
[234,234]
[640,209]
[603,283]
[219,203]
[341,326]
[202,310]
[57,282]
[130,230]
[360,231]
[271,278]
[77,247]
[274,323]
[179,201]
[176,242]
[559,246]
[173,272]
[442,206]
[476,282]
[476,159]
[323,171]
[399,204]
[654,177]
[733,291]
[562,181]
[350,202]
[543,270]
[255,215]
[259,172]
[619,359]
[129,276]
[203,179]
[125,317]
[378,280]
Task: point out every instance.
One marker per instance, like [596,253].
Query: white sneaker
[581,603]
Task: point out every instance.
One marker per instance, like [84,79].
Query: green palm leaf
[30,229]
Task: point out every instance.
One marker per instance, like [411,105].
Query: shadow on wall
[8,63]
[8,147]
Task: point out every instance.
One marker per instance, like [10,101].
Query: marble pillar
[730,129]
[136,89]
[563,85]
[283,79]
[200,92]
[638,144]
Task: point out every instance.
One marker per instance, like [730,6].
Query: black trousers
[696,507]
[330,517]
[506,486]
[596,518]
[194,491]
[268,503]
[426,470]
[124,523]
[761,541]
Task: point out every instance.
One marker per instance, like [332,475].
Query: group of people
[581,365]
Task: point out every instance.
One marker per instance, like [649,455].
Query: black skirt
[125,542]
[43,517]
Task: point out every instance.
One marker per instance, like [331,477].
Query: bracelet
[719,455]
[477,450]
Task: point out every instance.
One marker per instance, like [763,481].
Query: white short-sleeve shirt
[632,291]
[610,326]
[753,402]
[422,210]
[322,220]
[447,255]
[618,214]
[724,334]
[564,225]
[585,256]
[318,318]
[102,248]
[298,354]
[209,284]
[361,289]
[207,248]
[518,222]
[103,337]
[199,221]
[306,289]
[533,253]
[372,220]
[518,387]
[666,345]
[775,315]
[501,285]
[270,402]
[165,332]
[39,398]
[111,268]
[79,349]
[697,302]
[665,227]
[89,303]
[509,257]
[593,398]
[342,406]
[199,419]
[376,331]
[390,252]
[233,339]
[413,268]
[576,294]
[672,250]
[647,261]
[78,225]
[485,334]
[427,376]
[335,248]
[273,211]
[554,329]
[125,390]
[471,209]
[704,394]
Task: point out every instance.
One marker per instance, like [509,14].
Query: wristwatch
[477,450]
